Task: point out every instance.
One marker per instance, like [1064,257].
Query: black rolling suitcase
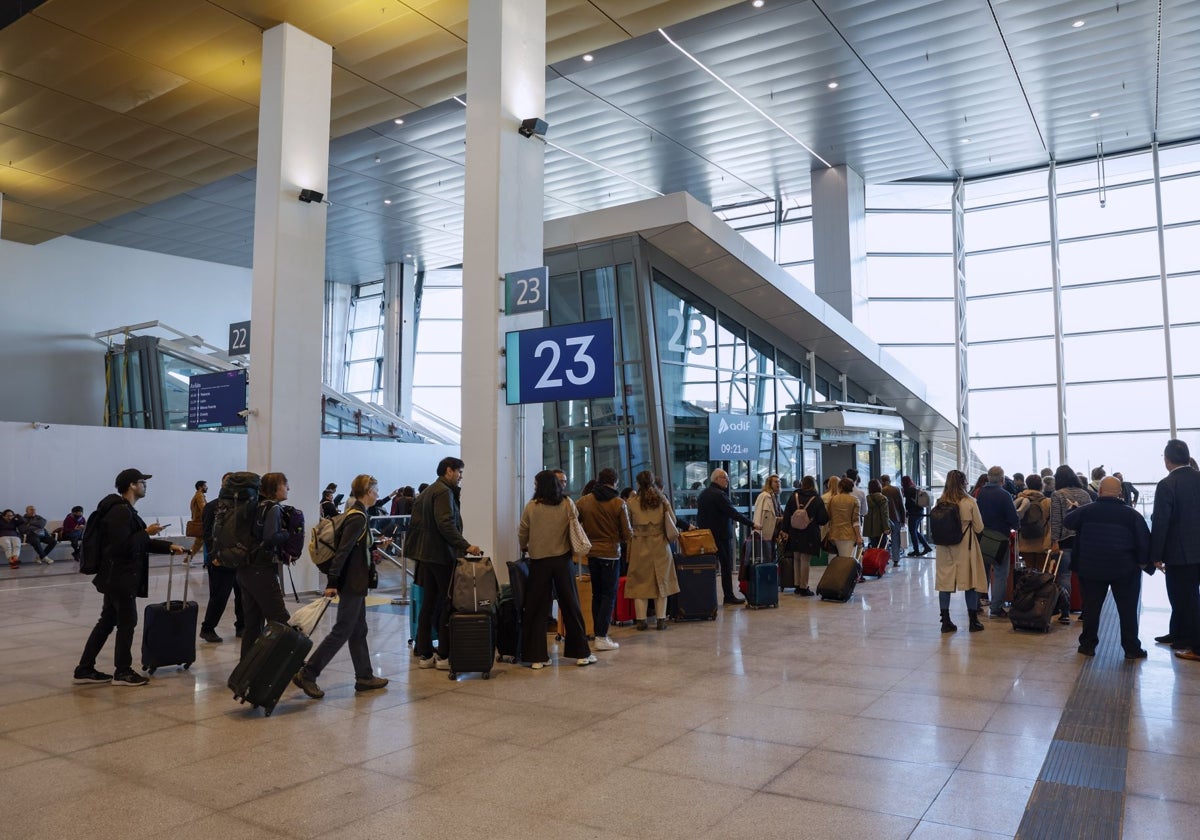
[1035,596]
[697,597]
[265,671]
[512,605]
[169,628]
[839,579]
[472,643]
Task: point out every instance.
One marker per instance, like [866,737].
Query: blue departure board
[214,399]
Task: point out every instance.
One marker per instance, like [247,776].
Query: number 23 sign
[571,362]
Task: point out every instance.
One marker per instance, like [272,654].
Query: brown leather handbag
[696,542]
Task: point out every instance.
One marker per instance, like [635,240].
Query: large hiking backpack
[945,524]
[323,545]
[234,538]
[1033,521]
[291,519]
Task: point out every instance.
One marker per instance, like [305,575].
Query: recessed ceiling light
[832,85]
[408,256]
[758,4]
[398,121]
[1078,24]
[965,140]
[378,159]
[588,57]
[387,201]
[1094,114]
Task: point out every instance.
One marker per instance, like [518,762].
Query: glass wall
[364,343]
[437,367]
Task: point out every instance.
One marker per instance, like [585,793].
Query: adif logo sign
[737,426]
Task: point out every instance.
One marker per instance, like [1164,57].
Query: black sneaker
[90,676]
[129,678]
[210,636]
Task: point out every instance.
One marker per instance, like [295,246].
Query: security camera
[244,413]
[38,425]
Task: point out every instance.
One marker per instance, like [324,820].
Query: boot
[975,625]
[948,626]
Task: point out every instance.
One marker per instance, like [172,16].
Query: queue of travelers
[1102,539]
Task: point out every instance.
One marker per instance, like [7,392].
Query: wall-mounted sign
[527,290]
[571,362]
[239,339]
[733,437]
[214,399]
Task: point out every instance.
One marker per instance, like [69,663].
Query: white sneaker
[604,643]
[537,666]
[49,561]
[427,662]
[442,664]
[589,660]
[37,560]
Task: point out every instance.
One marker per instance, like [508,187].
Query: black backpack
[234,539]
[91,547]
[945,524]
[1033,521]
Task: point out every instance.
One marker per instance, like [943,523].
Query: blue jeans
[915,537]
[1063,579]
[604,571]
[972,600]
[999,583]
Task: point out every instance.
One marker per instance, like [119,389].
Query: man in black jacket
[221,581]
[1112,547]
[126,545]
[713,511]
[1175,547]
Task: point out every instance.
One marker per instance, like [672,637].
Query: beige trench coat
[960,567]
[651,566]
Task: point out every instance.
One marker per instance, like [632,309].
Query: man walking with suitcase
[713,511]
[125,543]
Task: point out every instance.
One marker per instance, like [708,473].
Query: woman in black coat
[804,543]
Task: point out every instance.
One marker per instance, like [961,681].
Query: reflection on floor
[814,720]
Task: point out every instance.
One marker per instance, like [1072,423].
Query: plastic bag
[309,616]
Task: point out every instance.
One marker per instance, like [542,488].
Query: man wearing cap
[126,543]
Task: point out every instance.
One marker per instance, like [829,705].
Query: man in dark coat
[126,545]
[1112,547]
[713,511]
[999,516]
[435,540]
[1175,547]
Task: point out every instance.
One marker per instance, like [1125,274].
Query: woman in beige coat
[651,566]
[960,567]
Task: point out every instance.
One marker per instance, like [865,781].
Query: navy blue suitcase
[764,586]
[697,597]
[169,629]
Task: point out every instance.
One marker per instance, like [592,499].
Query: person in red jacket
[72,529]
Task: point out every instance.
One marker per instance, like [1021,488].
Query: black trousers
[1183,591]
[1126,591]
[262,600]
[349,627]
[543,573]
[725,556]
[120,612]
[435,609]
[604,592]
[42,543]
[221,582]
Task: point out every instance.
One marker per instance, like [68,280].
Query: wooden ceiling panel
[24,234]
[39,218]
[202,113]
[637,17]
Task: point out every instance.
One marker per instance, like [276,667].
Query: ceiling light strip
[736,93]
[602,166]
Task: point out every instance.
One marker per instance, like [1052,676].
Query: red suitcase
[875,560]
[623,610]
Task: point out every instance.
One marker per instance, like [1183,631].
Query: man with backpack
[999,519]
[1033,511]
[895,514]
[116,549]
[435,540]
[221,581]
[350,574]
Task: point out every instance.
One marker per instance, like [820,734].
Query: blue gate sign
[571,362]
[733,437]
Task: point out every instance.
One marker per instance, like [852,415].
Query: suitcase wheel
[487,675]
[187,665]
[267,710]
[149,670]
[453,675]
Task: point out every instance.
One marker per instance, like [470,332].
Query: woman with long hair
[1068,495]
[960,567]
[914,513]
[877,523]
[651,565]
[544,534]
[768,515]
[804,543]
[845,528]
[980,483]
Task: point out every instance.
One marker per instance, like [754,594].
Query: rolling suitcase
[509,617]
[697,596]
[583,587]
[875,560]
[472,643]
[265,671]
[839,579]
[762,578]
[787,570]
[1035,597]
[623,611]
[169,628]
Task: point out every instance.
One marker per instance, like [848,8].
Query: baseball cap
[129,476]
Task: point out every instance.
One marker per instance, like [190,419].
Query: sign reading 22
[569,362]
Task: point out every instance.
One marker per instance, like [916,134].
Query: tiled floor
[814,720]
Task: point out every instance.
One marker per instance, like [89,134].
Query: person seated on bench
[72,529]
[10,537]
[33,527]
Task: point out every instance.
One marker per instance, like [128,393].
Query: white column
[506,66]
[962,388]
[395,279]
[840,240]
[289,268]
[1056,287]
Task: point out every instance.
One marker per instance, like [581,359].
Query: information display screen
[214,399]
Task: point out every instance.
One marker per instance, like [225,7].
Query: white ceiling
[916,82]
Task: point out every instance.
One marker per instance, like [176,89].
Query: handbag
[580,544]
[696,542]
[194,528]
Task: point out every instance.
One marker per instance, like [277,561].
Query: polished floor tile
[814,720]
